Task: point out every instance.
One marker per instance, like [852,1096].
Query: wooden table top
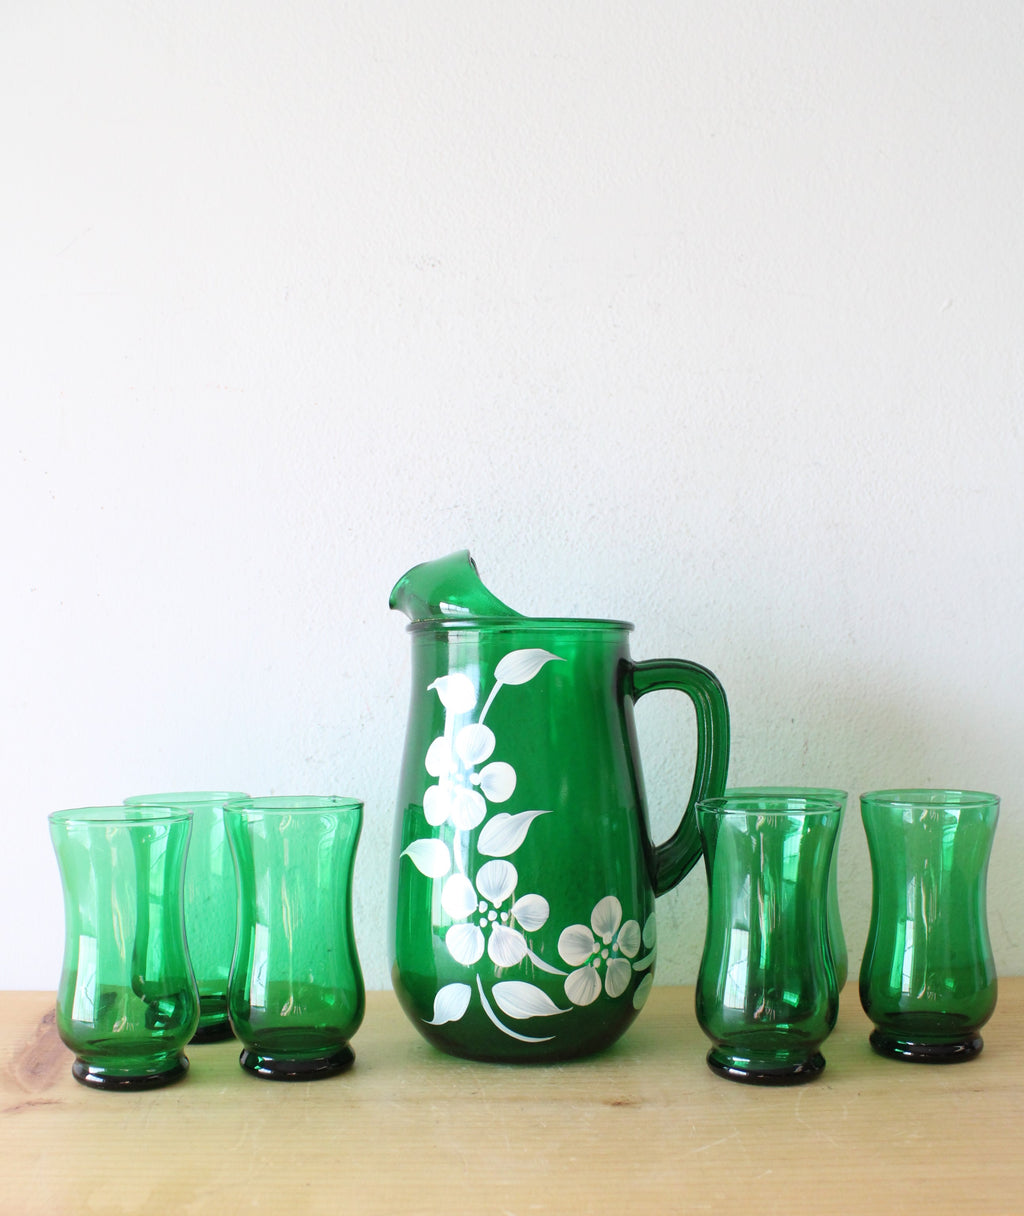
[645,1127]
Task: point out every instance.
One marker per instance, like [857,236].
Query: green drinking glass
[295,992]
[836,937]
[127,1002]
[927,979]
[209,903]
[766,990]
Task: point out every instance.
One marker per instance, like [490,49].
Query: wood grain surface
[645,1127]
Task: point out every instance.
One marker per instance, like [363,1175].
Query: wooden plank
[643,1127]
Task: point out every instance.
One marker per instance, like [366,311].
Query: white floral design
[483,913]
[460,795]
[483,920]
[606,941]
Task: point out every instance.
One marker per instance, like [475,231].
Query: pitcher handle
[674,859]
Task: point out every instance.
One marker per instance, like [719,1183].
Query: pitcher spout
[446,588]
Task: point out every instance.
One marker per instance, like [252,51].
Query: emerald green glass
[209,903]
[836,937]
[927,979]
[525,875]
[126,1003]
[767,996]
[446,588]
[295,992]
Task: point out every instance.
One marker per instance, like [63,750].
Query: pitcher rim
[520,624]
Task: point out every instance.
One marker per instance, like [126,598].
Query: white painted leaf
[583,987]
[474,743]
[521,1000]
[438,760]
[503,834]
[456,692]
[498,780]
[450,1003]
[465,944]
[506,946]
[458,898]
[617,976]
[539,962]
[430,857]
[496,880]
[531,911]
[629,938]
[467,808]
[512,1034]
[606,918]
[576,944]
[650,931]
[518,666]
[643,991]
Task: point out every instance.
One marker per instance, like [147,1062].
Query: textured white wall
[704,315]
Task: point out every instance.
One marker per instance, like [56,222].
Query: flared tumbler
[209,903]
[927,979]
[295,994]
[127,1002]
[766,991]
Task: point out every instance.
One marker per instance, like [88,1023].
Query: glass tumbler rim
[119,815]
[767,802]
[928,798]
[830,793]
[292,804]
[184,798]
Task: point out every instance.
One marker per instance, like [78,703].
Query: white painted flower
[606,944]
[487,916]
[463,788]
[461,794]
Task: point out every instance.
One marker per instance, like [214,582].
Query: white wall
[707,315]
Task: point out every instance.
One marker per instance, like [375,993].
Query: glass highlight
[836,937]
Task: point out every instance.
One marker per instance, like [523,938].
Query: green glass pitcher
[524,874]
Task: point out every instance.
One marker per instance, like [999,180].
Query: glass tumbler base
[276,1068]
[214,1025]
[213,1032]
[748,1072]
[97,1077]
[954,1052]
